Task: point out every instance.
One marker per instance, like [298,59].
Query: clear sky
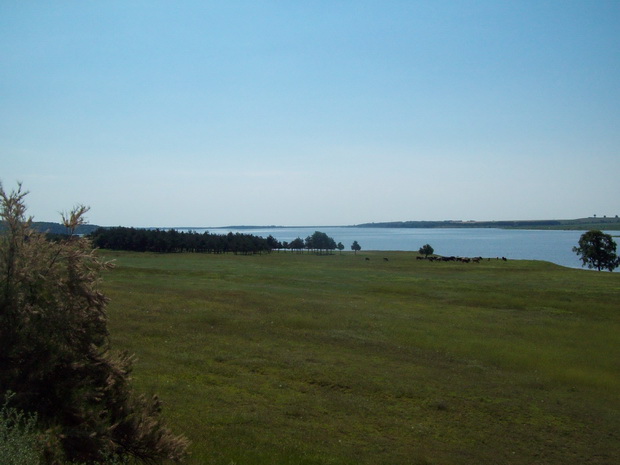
[203,113]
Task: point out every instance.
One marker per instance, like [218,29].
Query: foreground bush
[19,444]
[55,353]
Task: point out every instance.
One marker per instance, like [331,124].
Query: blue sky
[199,113]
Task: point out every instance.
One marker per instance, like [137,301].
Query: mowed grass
[306,359]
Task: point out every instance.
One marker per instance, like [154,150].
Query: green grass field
[306,359]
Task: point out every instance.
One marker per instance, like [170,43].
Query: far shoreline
[580,224]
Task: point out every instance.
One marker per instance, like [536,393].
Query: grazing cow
[367,259]
[505,259]
[419,258]
[385,259]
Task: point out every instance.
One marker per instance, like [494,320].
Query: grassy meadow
[303,359]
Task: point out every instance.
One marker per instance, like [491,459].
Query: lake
[516,244]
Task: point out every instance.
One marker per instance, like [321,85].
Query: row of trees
[168,241]
[319,243]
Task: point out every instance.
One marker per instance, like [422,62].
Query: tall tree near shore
[355,247]
[55,352]
[426,250]
[597,250]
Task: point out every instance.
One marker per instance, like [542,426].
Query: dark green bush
[19,442]
[55,353]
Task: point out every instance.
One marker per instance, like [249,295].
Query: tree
[597,250]
[297,244]
[340,247]
[355,247]
[426,250]
[320,241]
[55,352]
[273,243]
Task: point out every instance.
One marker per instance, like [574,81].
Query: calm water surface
[551,246]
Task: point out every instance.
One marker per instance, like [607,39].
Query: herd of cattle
[450,259]
[456,259]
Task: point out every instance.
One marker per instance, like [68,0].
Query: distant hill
[57,228]
[576,224]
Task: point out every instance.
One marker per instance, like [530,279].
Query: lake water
[551,246]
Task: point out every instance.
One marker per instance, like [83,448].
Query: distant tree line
[171,241]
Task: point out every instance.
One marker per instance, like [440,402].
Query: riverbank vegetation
[309,359]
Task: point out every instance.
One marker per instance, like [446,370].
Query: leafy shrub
[55,352]
[19,443]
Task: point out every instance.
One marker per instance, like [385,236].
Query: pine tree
[55,353]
